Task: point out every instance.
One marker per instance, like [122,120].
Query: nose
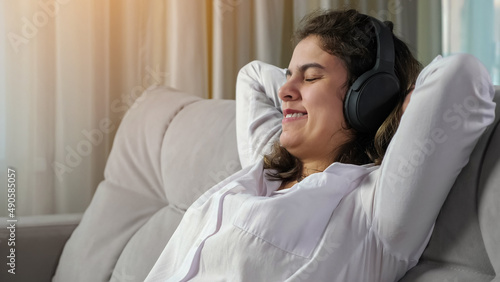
[288,92]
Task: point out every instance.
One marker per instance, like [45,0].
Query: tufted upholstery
[171,147]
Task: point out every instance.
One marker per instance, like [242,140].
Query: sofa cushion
[144,248]
[131,192]
[198,151]
[489,199]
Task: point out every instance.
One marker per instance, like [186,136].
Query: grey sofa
[169,149]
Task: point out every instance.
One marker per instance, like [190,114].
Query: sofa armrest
[39,241]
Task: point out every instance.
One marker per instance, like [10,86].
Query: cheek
[332,109]
[329,120]
[326,108]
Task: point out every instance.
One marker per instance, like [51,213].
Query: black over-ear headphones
[373,95]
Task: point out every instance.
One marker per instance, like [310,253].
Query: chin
[287,143]
[291,149]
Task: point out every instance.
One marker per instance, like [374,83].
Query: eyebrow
[304,67]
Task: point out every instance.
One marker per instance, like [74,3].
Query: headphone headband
[385,47]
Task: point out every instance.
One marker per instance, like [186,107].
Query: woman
[329,202]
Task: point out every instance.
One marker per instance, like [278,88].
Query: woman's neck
[308,168]
[311,167]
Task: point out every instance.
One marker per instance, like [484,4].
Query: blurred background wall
[70,69]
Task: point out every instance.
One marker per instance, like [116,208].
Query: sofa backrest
[198,151]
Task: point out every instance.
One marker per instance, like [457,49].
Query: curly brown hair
[350,36]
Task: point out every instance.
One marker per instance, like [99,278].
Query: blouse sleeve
[449,109]
[258,110]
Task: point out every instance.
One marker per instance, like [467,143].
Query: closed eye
[311,79]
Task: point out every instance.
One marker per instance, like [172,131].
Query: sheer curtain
[474,27]
[69,70]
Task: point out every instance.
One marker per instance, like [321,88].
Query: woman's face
[314,88]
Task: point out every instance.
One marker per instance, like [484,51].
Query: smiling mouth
[294,117]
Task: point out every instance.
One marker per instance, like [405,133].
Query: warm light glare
[2,96]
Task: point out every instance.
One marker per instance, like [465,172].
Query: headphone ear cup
[374,94]
[367,107]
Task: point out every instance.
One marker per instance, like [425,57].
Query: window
[473,26]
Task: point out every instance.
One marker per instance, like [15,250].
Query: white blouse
[347,223]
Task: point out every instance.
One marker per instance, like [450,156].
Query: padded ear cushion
[370,100]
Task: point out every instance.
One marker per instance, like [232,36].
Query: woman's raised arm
[449,109]
[258,110]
